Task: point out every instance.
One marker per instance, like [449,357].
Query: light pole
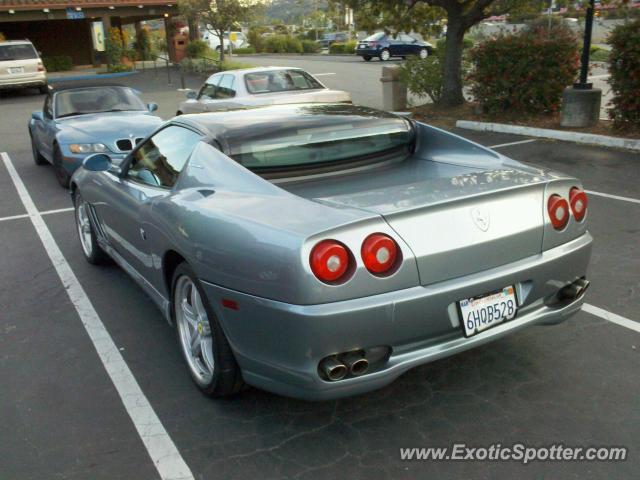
[581,102]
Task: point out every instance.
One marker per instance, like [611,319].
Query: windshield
[20,51]
[280,81]
[95,100]
[323,144]
[375,37]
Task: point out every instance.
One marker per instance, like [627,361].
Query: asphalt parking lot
[574,384]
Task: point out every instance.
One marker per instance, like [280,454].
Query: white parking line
[14,217]
[512,143]
[614,197]
[161,449]
[323,74]
[58,210]
[611,317]
[26,215]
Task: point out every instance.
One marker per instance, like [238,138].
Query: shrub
[347,47]
[256,40]
[598,54]
[118,68]
[310,46]
[58,63]
[232,65]
[114,48]
[200,65]
[244,50]
[143,44]
[197,48]
[525,72]
[282,44]
[624,68]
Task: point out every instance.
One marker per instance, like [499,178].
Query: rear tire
[43,89]
[366,58]
[37,158]
[62,175]
[92,251]
[385,55]
[211,363]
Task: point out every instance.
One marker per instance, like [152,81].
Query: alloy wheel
[84,228]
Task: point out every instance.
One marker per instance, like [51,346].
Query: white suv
[238,39]
[21,66]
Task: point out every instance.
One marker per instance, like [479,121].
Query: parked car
[385,46]
[21,66]
[79,119]
[238,39]
[321,250]
[333,37]
[258,86]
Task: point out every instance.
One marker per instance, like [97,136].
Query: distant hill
[292,11]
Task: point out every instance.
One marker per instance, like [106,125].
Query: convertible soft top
[70,85]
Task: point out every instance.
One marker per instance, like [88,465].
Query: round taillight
[329,260]
[579,202]
[379,253]
[558,209]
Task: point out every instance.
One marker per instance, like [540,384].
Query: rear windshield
[375,37]
[21,51]
[280,81]
[322,145]
[80,101]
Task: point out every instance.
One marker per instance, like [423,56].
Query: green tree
[219,16]
[422,16]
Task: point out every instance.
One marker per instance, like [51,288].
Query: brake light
[329,260]
[379,253]
[579,202]
[558,209]
[41,67]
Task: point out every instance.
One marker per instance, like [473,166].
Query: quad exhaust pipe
[574,290]
[336,367]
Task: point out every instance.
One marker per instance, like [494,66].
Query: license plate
[362,45]
[486,311]
[16,70]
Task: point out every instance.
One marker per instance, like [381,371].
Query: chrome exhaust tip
[356,363]
[574,290]
[333,369]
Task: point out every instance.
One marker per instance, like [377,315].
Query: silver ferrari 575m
[321,250]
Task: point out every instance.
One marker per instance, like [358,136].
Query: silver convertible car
[322,250]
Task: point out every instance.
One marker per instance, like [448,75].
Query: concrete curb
[576,137]
[92,76]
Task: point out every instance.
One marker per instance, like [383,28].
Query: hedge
[59,63]
[347,47]
[525,72]
[197,48]
[624,68]
[244,50]
[310,46]
[282,44]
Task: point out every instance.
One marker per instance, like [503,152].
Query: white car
[238,39]
[21,66]
[253,87]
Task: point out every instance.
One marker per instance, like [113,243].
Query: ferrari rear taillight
[578,201]
[558,209]
[329,260]
[379,253]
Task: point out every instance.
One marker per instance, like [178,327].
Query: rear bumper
[23,81]
[278,346]
[370,52]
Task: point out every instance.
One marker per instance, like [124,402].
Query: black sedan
[384,46]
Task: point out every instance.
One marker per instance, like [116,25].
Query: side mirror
[152,107]
[37,115]
[98,162]
[191,95]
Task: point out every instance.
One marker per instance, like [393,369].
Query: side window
[225,87]
[47,110]
[159,161]
[208,90]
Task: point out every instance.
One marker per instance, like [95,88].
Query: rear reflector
[379,253]
[579,202]
[329,260]
[558,209]
[231,304]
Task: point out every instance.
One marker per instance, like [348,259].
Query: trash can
[180,42]
[394,93]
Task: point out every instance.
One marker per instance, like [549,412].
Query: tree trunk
[452,71]
[221,38]
[194,33]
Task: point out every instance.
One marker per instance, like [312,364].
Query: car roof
[59,86]
[16,42]
[232,125]
[258,69]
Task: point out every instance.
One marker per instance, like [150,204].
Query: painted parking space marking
[323,74]
[614,197]
[163,452]
[46,212]
[512,143]
[611,317]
